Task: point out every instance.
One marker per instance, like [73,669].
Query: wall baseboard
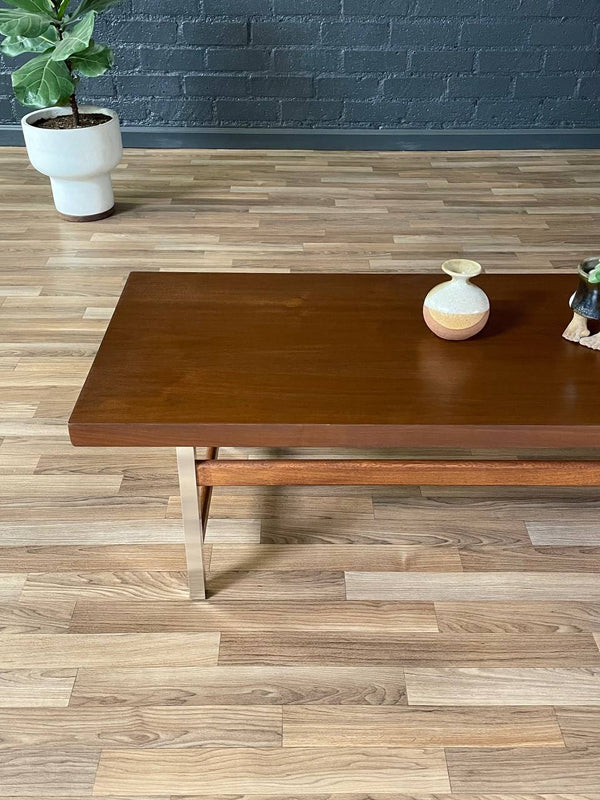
[337,139]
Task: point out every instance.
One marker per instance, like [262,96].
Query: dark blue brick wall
[349,64]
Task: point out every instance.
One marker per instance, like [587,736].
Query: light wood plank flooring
[358,644]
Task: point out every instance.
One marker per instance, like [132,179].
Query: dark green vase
[586,300]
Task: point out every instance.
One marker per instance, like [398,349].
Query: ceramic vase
[457,309]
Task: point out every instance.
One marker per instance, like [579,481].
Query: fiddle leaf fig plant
[59,35]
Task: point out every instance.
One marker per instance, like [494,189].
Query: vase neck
[461,269]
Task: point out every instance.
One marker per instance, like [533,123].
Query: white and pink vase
[457,309]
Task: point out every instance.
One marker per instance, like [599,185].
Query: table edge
[322,435]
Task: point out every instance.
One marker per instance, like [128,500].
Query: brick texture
[348,64]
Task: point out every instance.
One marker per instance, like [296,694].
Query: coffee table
[194,360]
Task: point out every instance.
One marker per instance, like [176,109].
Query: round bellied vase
[457,309]
[586,299]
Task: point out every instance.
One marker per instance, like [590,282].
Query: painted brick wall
[349,63]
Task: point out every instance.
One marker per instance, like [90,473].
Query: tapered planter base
[78,199]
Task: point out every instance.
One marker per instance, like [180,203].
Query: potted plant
[76,146]
[585,303]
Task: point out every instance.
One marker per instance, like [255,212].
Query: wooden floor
[358,644]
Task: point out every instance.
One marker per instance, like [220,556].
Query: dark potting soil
[65,121]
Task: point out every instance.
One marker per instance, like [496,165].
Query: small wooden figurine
[585,303]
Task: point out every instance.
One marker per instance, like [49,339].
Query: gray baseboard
[357,139]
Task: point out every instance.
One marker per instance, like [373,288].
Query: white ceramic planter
[77,161]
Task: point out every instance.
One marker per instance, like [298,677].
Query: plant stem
[59,6]
[75,110]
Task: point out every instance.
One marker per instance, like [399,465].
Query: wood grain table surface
[334,360]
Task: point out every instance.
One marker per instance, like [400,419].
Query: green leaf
[93,61]
[594,276]
[16,45]
[35,6]
[43,82]
[77,39]
[93,5]
[22,23]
